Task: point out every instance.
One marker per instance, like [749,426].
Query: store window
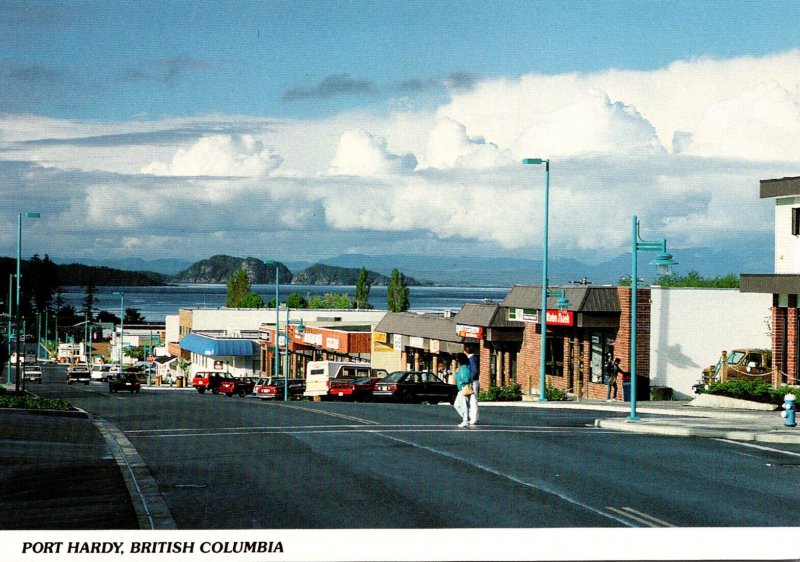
[602,351]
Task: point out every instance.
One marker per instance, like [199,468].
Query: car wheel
[215,391]
[201,390]
[452,400]
[242,393]
[404,396]
[229,394]
[111,390]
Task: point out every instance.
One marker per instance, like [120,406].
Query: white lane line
[332,414]
[647,516]
[760,447]
[527,483]
[637,519]
[334,429]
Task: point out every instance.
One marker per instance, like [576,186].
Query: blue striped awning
[218,347]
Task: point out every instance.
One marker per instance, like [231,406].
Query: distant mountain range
[438,270]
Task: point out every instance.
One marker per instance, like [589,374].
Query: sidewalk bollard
[789,408]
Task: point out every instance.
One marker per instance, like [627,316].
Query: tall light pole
[121,296]
[663,263]
[19,282]
[562,303]
[10,287]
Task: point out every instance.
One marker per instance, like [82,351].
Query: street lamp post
[562,303]
[10,285]
[663,263]
[19,282]
[121,296]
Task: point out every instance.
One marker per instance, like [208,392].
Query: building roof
[581,299]
[218,347]
[486,315]
[783,187]
[420,325]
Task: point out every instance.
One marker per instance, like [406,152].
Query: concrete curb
[152,511]
[763,435]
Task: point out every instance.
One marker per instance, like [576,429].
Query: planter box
[716,401]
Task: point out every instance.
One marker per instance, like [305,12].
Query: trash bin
[642,389]
[179,381]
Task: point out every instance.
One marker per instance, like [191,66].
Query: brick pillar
[622,345]
[791,337]
[779,324]
[484,367]
[528,359]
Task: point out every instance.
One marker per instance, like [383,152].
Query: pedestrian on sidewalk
[474,372]
[613,370]
[465,394]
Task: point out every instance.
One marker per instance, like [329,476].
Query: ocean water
[154,303]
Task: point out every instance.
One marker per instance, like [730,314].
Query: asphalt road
[234,463]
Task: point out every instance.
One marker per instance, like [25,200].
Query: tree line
[240,295]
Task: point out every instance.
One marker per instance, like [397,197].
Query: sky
[304,130]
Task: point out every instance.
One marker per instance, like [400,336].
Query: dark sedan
[415,386]
[127,382]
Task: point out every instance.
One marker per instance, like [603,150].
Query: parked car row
[399,386]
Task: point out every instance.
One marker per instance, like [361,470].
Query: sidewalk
[678,418]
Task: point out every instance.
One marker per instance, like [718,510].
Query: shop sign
[560,318]
[332,343]
[378,347]
[469,331]
[282,340]
[435,345]
[417,342]
[313,339]
[380,337]
[524,315]
[398,341]
[218,365]
[265,336]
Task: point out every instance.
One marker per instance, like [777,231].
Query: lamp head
[533,161]
[32,215]
[664,263]
[563,303]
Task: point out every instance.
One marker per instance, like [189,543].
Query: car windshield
[394,377]
[735,357]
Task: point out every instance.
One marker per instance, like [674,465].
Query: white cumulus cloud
[362,154]
[219,155]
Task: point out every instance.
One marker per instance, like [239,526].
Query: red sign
[560,318]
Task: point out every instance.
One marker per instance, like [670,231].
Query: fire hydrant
[789,408]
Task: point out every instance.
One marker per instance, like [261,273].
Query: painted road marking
[333,414]
[640,517]
[334,429]
[760,447]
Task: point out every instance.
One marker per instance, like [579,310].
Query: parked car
[209,380]
[128,381]
[33,373]
[240,386]
[79,372]
[359,390]
[268,388]
[100,372]
[415,386]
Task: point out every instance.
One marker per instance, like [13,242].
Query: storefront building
[594,327]
[420,342]
[306,343]
[236,354]
[784,284]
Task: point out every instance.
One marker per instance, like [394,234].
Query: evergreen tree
[363,286]
[88,300]
[238,287]
[397,293]
[250,300]
[133,316]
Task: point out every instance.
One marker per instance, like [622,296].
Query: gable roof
[420,325]
[486,315]
[581,299]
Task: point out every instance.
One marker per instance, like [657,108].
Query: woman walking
[465,393]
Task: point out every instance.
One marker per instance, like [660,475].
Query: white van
[320,373]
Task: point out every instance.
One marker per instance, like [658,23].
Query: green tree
[295,300]
[88,300]
[250,300]
[330,300]
[363,286]
[133,316]
[238,287]
[397,293]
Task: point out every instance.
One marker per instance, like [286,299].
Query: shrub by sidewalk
[30,402]
[752,390]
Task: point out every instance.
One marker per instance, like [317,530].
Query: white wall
[172,328]
[690,327]
[787,246]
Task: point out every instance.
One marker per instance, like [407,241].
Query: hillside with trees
[221,268]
